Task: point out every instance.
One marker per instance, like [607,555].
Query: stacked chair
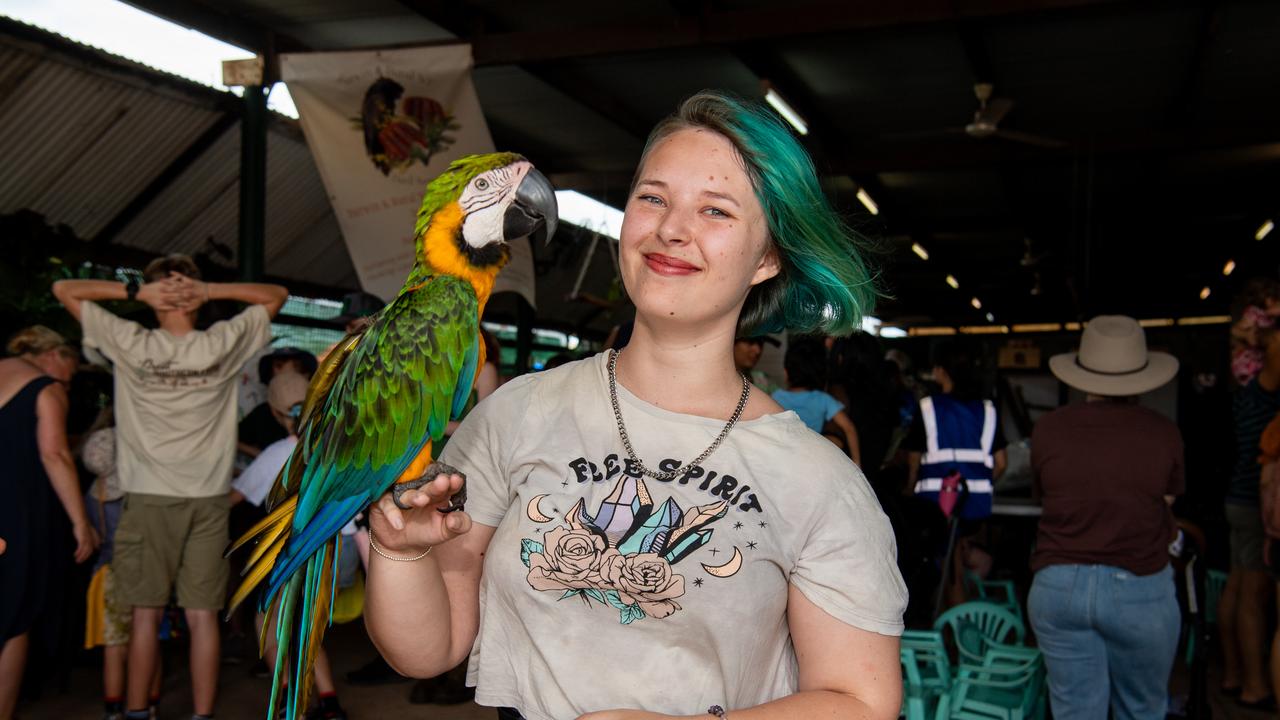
[973,665]
[999,592]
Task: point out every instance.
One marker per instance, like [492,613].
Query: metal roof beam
[470,24]
[728,28]
[1181,108]
[212,19]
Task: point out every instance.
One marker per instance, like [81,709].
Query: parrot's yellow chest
[443,256]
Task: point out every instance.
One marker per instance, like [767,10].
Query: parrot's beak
[534,212]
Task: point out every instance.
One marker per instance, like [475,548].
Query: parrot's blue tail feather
[305,608]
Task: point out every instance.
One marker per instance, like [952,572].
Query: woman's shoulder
[557,382]
[783,440]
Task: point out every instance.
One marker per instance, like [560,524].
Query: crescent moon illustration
[728,569]
[535,513]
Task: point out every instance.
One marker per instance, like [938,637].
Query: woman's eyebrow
[722,196]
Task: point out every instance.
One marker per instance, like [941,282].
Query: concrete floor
[244,697]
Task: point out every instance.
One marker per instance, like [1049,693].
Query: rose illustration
[645,579]
[570,560]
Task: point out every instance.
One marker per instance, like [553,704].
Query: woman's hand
[423,525]
[87,540]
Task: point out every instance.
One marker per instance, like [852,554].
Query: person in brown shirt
[1103,603]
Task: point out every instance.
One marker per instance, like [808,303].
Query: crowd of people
[850,497]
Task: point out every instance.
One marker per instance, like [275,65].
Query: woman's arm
[844,673]
[51,438]
[850,431]
[913,471]
[423,616]
[1000,463]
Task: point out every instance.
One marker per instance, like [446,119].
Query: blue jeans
[1108,638]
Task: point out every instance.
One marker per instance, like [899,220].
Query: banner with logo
[381,125]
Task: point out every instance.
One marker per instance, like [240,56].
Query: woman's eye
[651,199]
[716,212]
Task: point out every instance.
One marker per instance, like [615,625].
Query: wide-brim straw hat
[1113,360]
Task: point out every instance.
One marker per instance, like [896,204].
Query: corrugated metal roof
[84,133]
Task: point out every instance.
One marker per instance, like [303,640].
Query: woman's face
[694,238]
[58,365]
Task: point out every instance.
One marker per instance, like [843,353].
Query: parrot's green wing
[322,381]
[396,391]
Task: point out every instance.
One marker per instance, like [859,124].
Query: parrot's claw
[433,471]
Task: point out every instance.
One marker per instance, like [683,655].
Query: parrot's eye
[482,184]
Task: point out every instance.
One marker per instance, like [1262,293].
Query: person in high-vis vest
[956,430]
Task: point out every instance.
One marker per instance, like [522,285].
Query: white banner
[381,125]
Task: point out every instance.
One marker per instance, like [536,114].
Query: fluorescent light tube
[589,213]
[787,112]
[867,202]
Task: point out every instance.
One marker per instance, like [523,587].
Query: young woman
[646,534]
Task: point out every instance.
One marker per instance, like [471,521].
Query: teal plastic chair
[1214,583]
[977,624]
[926,672]
[1009,684]
[999,592]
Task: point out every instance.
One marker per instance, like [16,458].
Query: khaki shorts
[167,544]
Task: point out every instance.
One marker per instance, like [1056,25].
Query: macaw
[383,396]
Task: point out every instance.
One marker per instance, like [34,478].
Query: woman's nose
[675,227]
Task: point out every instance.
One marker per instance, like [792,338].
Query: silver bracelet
[374,546]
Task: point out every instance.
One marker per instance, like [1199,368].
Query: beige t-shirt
[175,399]
[605,589]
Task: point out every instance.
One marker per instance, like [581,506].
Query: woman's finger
[392,513]
[455,524]
[446,486]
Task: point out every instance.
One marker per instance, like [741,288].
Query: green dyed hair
[824,285]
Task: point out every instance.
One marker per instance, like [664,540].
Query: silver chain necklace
[669,475]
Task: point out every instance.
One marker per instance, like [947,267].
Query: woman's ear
[770,265]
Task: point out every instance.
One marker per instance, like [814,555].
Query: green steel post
[525,318]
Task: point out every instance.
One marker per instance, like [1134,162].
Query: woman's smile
[667,265]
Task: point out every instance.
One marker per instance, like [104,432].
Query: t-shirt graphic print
[605,588]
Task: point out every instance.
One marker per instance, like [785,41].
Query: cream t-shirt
[175,399]
[604,589]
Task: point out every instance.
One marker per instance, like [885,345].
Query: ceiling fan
[986,122]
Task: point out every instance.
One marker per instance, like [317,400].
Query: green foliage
[35,256]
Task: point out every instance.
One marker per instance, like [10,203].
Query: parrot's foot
[433,471]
